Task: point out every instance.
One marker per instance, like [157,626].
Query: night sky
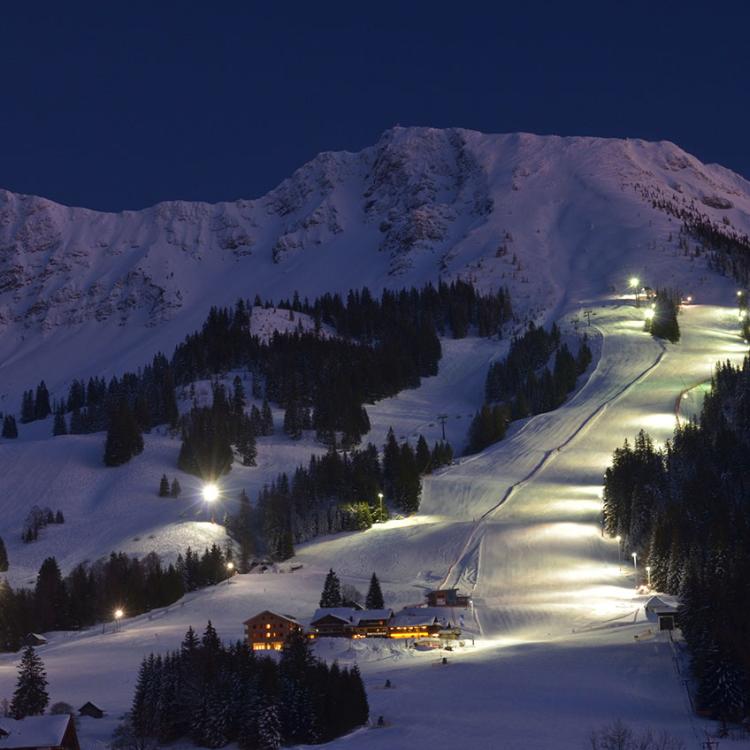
[122,105]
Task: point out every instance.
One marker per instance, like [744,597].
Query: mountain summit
[554,219]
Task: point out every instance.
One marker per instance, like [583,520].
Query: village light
[118,615]
[634,555]
[380,497]
[648,573]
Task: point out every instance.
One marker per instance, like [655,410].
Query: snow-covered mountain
[550,217]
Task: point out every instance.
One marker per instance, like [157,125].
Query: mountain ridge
[419,204]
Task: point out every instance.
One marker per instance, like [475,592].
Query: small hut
[91,709]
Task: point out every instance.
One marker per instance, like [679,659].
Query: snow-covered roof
[271,612]
[34,731]
[421,616]
[346,614]
[373,614]
[656,605]
[351,615]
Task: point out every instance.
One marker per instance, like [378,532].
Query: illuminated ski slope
[518,526]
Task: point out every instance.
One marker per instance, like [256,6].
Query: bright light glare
[118,614]
[210,492]
[634,281]
[649,314]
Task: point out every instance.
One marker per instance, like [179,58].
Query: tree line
[90,593]
[214,694]
[684,509]
[663,321]
[383,345]
[518,387]
[334,492]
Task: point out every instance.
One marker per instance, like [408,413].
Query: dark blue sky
[121,105]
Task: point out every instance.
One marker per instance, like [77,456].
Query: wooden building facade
[268,630]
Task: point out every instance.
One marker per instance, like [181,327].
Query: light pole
[648,574]
[635,284]
[380,497]
[118,613]
[635,567]
[230,568]
[211,495]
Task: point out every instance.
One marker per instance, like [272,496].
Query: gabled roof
[657,605]
[92,704]
[414,616]
[273,614]
[345,614]
[34,731]
[373,614]
[350,616]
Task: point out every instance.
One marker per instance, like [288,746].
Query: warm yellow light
[210,492]
[634,282]
[118,614]
[739,293]
[230,566]
[618,538]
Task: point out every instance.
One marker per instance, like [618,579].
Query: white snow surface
[555,617]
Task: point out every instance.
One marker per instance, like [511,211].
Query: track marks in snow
[467,565]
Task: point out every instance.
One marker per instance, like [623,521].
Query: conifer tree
[59,426]
[424,459]
[3,556]
[374,598]
[50,596]
[331,596]
[124,439]
[164,486]
[41,402]
[30,697]
[27,407]
[10,430]
[269,728]
[266,418]
[175,489]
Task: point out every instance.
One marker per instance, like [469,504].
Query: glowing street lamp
[210,494]
[648,573]
[635,567]
[118,615]
[380,497]
[635,285]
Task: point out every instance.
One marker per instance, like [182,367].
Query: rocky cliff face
[540,214]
